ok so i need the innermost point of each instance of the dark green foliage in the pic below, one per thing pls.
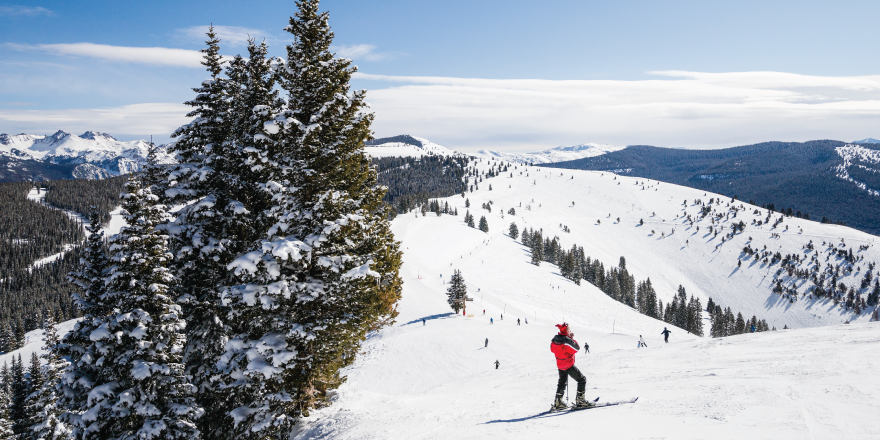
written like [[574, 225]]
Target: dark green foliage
[[484, 225], [513, 231], [82, 196], [797, 175], [457, 292], [412, 181], [32, 231]]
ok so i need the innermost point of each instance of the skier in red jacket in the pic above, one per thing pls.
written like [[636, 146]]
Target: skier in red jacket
[[564, 347]]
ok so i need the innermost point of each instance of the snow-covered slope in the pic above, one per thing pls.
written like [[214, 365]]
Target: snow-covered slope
[[98, 155], [558, 154], [438, 380], [868, 141], [406, 145], [33, 342]]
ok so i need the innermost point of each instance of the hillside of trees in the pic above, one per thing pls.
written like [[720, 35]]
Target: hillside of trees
[[32, 231], [796, 176]]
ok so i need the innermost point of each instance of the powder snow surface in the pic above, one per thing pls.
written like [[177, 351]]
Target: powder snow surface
[[438, 381]]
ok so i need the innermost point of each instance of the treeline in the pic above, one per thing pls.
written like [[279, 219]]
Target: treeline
[[81, 195], [30, 231], [413, 181], [725, 324], [616, 282], [27, 298]]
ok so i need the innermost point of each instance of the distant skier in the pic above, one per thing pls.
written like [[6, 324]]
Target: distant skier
[[487, 343], [484, 312], [423, 322], [497, 364], [564, 347], [491, 321], [527, 320], [665, 334], [517, 322], [642, 342]]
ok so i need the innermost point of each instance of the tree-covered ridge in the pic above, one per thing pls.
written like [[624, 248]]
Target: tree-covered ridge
[[801, 176], [412, 181], [30, 230], [81, 196]]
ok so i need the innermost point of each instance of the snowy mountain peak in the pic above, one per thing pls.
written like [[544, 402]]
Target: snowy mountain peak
[[96, 154], [868, 141], [558, 154], [94, 135]]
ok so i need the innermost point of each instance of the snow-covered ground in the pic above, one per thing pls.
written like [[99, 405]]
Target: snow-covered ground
[[558, 154], [402, 149], [438, 380], [33, 342]]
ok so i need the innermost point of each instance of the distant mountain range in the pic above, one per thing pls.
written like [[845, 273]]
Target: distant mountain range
[[831, 179], [62, 155], [558, 154]]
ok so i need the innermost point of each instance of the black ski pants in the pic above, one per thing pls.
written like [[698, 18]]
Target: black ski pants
[[576, 375]]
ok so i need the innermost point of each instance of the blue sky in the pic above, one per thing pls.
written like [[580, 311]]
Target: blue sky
[[475, 74]]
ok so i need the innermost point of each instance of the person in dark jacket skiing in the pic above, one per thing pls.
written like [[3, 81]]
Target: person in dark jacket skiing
[[497, 364], [665, 334], [564, 347], [487, 342]]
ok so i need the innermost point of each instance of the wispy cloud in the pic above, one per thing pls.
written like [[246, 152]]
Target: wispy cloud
[[365, 52], [139, 55], [679, 109], [23, 11], [229, 35], [126, 121]]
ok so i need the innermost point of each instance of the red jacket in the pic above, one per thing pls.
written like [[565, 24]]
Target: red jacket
[[564, 348]]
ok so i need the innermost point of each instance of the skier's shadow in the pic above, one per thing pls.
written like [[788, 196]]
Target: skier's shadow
[[523, 419]]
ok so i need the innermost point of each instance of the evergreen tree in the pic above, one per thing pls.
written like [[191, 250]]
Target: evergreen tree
[[514, 231], [6, 431], [457, 292], [223, 170], [484, 225], [469, 219], [139, 389], [19, 390], [326, 272], [740, 324], [90, 300], [537, 245], [45, 422]]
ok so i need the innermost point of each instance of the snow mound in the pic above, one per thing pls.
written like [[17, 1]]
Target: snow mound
[[406, 146], [558, 154]]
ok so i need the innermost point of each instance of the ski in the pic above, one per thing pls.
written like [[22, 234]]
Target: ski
[[595, 405]]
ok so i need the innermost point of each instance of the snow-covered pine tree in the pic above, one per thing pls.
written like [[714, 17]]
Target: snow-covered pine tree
[[469, 219], [139, 389], [76, 345], [484, 225], [457, 291], [19, 391], [326, 272], [209, 234], [43, 405], [6, 432], [513, 231], [537, 245]]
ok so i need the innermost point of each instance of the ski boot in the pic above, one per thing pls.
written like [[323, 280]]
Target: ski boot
[[558, 404], [581, 402]]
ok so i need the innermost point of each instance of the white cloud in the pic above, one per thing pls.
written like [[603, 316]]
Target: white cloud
[[366, 52], [18, 11], [139, 55], [135, 120], [228, 35], [681, 109]]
